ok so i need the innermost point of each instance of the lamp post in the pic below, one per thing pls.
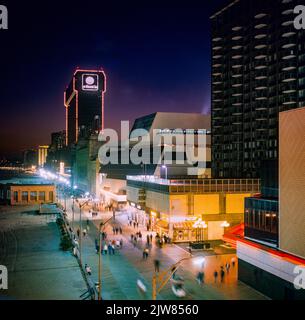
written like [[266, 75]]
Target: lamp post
[[101, 229], [80, 233], [73, 198], [200, 225], [164, 276]]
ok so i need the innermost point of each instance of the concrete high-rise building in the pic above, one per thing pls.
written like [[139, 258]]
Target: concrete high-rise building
[[42, 155], [258, 70], [84, 102], [292, 182]]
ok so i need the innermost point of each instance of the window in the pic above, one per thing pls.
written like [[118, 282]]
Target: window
[[24, 196], [51, 196], [42, 196], [33, 196], [16, 196]]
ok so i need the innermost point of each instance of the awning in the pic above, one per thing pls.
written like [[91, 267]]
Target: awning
[[162, 224], [185, 225]]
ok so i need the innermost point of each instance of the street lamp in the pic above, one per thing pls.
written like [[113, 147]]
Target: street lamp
[[101, 229], [199, 224], [164, 276], [73, 198], [80, 234]]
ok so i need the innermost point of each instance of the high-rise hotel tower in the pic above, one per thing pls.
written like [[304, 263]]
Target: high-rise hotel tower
[[258, 70], [84, 102]]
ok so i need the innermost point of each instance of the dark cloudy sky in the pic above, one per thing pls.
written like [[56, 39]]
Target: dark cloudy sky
[[156, 56]]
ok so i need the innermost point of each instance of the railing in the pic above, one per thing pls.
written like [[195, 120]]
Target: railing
[[201, 185]]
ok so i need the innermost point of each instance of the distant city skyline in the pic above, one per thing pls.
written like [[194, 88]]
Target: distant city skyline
[[157, 58]]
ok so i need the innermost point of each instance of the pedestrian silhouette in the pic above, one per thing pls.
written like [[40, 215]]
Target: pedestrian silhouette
[[157, 265]]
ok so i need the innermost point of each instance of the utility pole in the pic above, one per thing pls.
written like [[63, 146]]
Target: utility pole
[[101, 229], [163, 277]]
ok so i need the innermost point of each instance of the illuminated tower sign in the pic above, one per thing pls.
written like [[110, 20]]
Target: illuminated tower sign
[[84, 102]]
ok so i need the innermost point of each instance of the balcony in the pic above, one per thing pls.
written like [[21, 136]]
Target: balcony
[[288, 45], [236, 111], [260, 26], [217, 56], [289, 76], [260, 35], [287, 23], [217, 65], [260, 64], [260, 56], [237, 47], [260, 15], [290, 100], [289, 88], [237, 56], [216, 39], [289, 65], [217, 48], [288, 54], [237, 28], [288, 31], [260, 46], [261, 95], [287, 12], [237, 75]]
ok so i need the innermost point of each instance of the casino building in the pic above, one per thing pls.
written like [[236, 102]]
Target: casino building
[[84, 103]]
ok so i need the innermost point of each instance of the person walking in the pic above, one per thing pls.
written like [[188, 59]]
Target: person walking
[[109, 248], [84, 232], [200, 277], [88, 269], [222, 274], [157, 265], [121, 231], [121, 243], [233, 262], [97, 247], [215, 276], [228, 267], [105, 248], [151, 237], [78, 232]]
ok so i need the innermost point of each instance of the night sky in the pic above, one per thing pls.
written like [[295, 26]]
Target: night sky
[[156, 57]]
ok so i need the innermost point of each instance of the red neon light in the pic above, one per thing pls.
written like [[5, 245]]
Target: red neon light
[[283, 255], [76, 92], [65, 104]]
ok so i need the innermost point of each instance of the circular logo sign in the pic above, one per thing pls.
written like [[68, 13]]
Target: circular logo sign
[[89, 80]]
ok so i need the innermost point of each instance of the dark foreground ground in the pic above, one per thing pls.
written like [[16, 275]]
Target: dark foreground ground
[[37, 269]]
